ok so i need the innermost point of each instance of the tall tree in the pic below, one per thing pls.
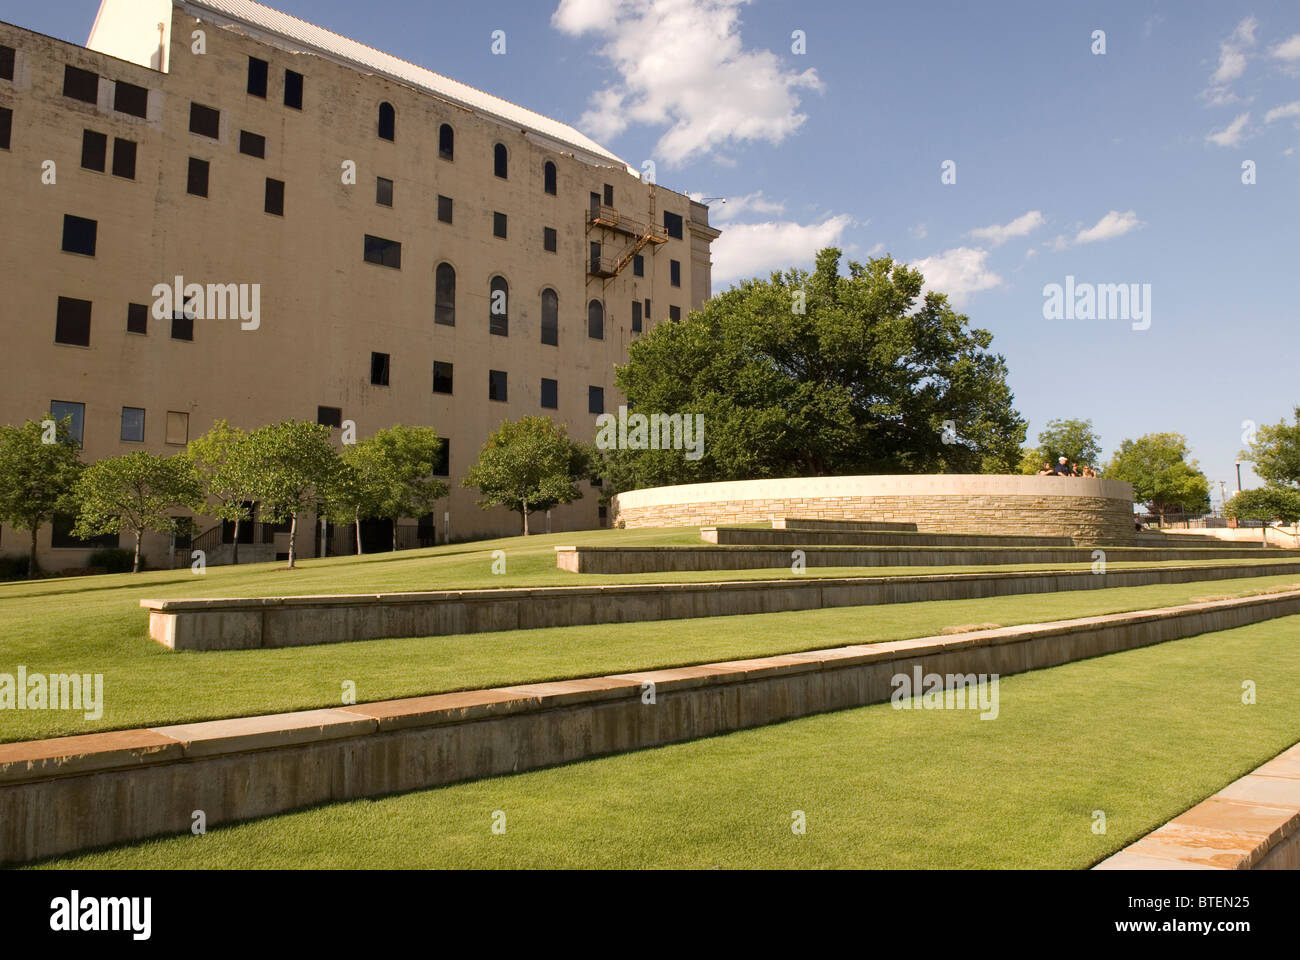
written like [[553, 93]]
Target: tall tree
[[1162, 476], [394, 474], [1265, 504], [39, 467], [529, 465], [221, 457], [1073, 439], [293, 465], [822, 374], [134, 493], [1276, 452]]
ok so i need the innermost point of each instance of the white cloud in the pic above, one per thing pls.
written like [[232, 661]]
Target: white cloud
[[1057, 243], [959, 273], [750, 203], [1232, 134], [681, 64], [1019, 227], [1288, 49], [1277, 113], [756, 249], [1232, 62], [919, 232], [1114, 224]]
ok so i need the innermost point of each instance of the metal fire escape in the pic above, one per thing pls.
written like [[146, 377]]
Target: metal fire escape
[[604, 221]]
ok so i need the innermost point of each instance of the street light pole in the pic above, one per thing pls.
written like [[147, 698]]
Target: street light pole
[[1239, 476]]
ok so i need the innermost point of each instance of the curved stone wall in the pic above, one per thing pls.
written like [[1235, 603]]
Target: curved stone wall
[[967, 503]]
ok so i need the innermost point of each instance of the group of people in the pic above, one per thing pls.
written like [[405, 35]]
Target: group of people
[[1064, 468]]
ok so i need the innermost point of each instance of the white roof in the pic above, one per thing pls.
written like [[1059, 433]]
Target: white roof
[[332, 45]]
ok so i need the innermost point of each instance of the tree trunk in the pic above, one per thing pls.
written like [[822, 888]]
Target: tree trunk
[[293, 539], [524, 511], [394, 534], [357, 518], [234, 559], [31, 559], [135, 567]]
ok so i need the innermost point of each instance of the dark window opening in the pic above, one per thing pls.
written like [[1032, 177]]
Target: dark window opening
[[94, 151], [550, 394], [137, 318], [499, 225], [80, 84], [609, 195], [595, 205], [593, 254], [62, 538], [444, 209], [6, 62], [197, 180], [6, 127], [79, 235], [183, 324], [446, 142], [72, 323], [379, 363], [499, 307], [130, 99], [647, 311], [550, 239], [675, 314], [595, 399], [124, 153], [673, 224], [596, 320], [329, 416], [443, 376], [500, 161], [383, 192], [497, 385], [638, 266], [550, 318], [205, 121], [444, 305], [386, 253], [636, 316], [257, 74], [132, 425], [675, 272], [73, 412], [275, 197], [252, 144], [293, 89], [549, 176], [442, 466], [387, 122]]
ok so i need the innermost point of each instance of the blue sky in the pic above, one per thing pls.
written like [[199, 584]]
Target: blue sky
[[1124, 167]]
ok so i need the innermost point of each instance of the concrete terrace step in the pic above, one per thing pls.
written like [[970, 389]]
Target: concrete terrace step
[[886, 526], [134, 784], [794, 523], [750, 536]]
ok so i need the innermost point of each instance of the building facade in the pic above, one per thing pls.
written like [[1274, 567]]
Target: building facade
[[351, 239]]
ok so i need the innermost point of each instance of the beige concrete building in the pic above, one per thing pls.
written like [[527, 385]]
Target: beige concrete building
[[405, 249]]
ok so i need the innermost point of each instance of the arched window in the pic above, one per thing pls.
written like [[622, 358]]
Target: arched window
[[500, 161], [444, 302], [387, 122], [499, 307], [549, 174], [596, 320], [447, 142], [550, 317]]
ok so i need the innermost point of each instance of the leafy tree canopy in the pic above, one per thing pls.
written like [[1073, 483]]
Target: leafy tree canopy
[[1162, 476], [1276, 452], [39, 467], [529, 465]]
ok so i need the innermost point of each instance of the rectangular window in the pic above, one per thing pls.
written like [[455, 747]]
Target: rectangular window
[[80, 85], [383, 192], [293, 89], [675, 272], [379, 369], [196, 183], [499, 225], [183, 324], [442, 466], [178, 428], [550, 239], [386, 253], [442, 377], [137, 318], [275, 197], [62, 410], [6, 62], [673, 224], [329, 416], [124, 153], [550, 394], [609, 195], [636, 316], [130, 99], [252, 144], [6, 127], [132, 425], [675, 314], [205, 121], [257, 73], [638, 266], [62, 538], [595, 399], [647, 311], [72, 323], [79, 235], [497, 385], [444, 209], [94, 151]]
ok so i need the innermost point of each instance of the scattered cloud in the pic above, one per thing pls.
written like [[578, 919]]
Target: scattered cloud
[[1277, 113], [997, 235], [918, 232], [1057, 243], [755, 249], [1288, 49], [1232, 62], [1114, 224], [723, 211], [960, 273], [1232, 134], [681, 64]]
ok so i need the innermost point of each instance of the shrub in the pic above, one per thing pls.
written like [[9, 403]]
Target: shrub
[[114, 561], [13, 568]]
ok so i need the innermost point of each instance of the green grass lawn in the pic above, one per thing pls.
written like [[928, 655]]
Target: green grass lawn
[[1140, 735], [96, 626]]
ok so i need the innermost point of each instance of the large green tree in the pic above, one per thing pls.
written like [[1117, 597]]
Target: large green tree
[[221, 457], [1276, 452], [392, 475], [822, 374], [1162, 476], [529, 465], [1265, 504], [39, 466], [293, 465], [1073, 439], [134, 493]]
